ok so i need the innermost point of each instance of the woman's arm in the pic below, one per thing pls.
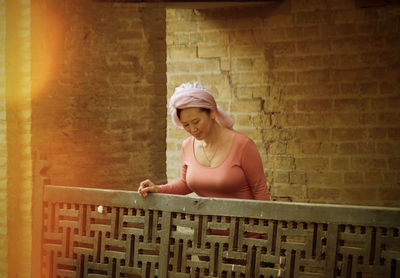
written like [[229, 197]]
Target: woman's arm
[[254, 171], [176, 187]]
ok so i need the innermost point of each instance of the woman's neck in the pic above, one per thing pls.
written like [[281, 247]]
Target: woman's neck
[[214, 135]]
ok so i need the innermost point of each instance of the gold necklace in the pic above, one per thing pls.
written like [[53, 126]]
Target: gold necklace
[[205, 154]]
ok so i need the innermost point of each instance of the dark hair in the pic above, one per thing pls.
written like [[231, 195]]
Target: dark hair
[[178, 111]]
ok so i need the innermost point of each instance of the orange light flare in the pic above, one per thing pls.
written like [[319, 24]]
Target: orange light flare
[[48, 29]]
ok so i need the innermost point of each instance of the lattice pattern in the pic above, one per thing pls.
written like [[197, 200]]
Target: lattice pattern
[[78, 241], [370, 251]]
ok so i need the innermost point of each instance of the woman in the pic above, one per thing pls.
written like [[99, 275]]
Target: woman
[[216, 160]]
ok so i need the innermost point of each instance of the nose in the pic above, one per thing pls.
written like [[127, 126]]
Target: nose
[[193, 129]]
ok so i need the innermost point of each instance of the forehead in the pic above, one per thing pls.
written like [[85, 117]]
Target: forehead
[[189, 114]]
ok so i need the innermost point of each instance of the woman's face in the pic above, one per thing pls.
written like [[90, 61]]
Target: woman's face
[[197, 122]]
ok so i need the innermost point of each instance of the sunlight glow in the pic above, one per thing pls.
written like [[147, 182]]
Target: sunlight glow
[[15, 100], [3, 147]]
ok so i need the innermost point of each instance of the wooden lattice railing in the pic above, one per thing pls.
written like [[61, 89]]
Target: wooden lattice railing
[[177, 236]]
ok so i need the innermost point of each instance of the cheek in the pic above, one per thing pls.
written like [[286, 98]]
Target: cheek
[[205, 125]]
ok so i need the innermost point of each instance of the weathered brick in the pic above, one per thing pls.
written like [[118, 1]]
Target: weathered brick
[[273, 34], [333, 178], [314, 105], [373, 178], [181, 78], [385, 148], [215, 37], [339, 164], [297, 178], [279, 20], [285, 77], [312, 90], [284, 163], [367, 148], [312, 163], [350, 104], [312, 18], [353, 178], [298, 62], [360, 195], [342, 61], [277, 148], [245, 50], [324, 195], [351, 75], [349, 148], [313, 47], [344, 83], [314, 178], [296, 192], [388, 118], [348, 134], [281, 48], [212, 51], [394, 163], [243, 64], [339, 119], [328, 148], [313, 76], [393, 103], [182, 26], [211, 79], [293, 147], [308, 6], [246, 78], [368, 164], [281, 177], [390, 194], [317, 134], [182, 53], [394, 133], [241, 119], [311, 148]]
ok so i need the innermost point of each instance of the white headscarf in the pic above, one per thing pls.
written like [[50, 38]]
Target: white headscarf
[[193, 94]]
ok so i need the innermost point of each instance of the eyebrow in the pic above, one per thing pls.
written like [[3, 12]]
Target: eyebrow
[[190, 121]]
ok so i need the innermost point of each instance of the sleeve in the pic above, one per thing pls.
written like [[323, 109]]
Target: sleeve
[[179, 186], [254, 171]]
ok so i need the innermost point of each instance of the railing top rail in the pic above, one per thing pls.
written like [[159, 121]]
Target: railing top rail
[[299, 212]]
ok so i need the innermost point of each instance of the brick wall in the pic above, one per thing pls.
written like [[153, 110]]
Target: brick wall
[[314, 83], [99, 92], [16, 135], [3, 147]]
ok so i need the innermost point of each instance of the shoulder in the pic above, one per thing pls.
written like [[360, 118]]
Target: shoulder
[[244, 144], [242, 140], [187, 142]]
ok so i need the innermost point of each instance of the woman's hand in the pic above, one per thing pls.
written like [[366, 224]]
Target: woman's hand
[[146, 187]]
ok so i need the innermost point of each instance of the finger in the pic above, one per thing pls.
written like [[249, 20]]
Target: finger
[[142, 192], [147, 190], [144, 184]]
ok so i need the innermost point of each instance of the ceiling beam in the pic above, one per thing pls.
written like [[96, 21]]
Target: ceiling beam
[[197, 4]]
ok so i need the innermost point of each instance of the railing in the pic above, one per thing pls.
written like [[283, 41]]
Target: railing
[[177, 236]]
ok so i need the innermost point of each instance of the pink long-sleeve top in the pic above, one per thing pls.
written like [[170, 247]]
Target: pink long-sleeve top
[[240, 175]]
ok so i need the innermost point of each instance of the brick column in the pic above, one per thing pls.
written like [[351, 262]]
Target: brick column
[[18, 127], [3, 146], [99, 83]]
